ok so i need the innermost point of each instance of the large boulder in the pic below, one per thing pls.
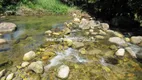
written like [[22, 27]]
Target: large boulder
[[136, 39], [37, 67], [118, 41], [63, 71], [2, 41], [29, 56], [7, 27]]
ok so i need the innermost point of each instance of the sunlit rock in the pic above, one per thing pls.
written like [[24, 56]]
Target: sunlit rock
[[63, 71], [37, 67], [120, 52], [24, 64], [29, 55], [99, 37], [10, 76], [2, 72], [2, 41], [136, 39], [118, 41], [105, 26], [7, 27]]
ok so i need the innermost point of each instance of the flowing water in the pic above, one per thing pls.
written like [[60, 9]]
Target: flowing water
[[29, 35]]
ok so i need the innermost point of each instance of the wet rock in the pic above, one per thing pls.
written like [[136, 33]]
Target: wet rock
[[118, 41], [99, 37], [29, 56], [105, 26], [24, 64], [7, 27], [2, 72], [66, 31], [131, 52], [10, 76], [127, 39], [2, 41], [63, 71], [78, 44], [120, 52], [136, 39], [84, 24], [113, 47], [37, 67]]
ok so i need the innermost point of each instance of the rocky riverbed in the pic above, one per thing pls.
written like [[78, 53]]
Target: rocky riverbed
[[81, 49]]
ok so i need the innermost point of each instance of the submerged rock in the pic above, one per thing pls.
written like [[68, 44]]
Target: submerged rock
[[36, 67], [120, 52], [29, 56], [118, 41], [136, 39], [10, 76], [7, 27], [2, 41], [63, 71], [78, 44]]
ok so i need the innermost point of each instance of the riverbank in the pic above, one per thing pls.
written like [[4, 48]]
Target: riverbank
[[81, 45]]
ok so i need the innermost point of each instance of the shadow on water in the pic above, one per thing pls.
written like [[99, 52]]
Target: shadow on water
[[28, 36]]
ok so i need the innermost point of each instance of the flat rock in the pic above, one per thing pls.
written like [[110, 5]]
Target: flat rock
[[63, 71], [136, 39], [7, 27], [29, 55], [2, 41], [78, 44], [118, 41], [120, 52], [37, 67], [24, 64]]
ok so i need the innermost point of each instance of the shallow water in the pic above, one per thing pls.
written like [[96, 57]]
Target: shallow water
[[29, 35]]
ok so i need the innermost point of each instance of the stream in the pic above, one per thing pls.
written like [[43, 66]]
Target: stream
[[29, 35]]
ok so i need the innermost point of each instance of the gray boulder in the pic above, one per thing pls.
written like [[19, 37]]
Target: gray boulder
[[37, 67], [7, 27]]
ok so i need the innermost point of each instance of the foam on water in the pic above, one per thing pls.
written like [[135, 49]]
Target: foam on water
[[70, 55]]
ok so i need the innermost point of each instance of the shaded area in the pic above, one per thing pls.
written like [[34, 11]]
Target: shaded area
[[124, 15]]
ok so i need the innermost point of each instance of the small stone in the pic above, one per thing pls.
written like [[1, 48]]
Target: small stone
[[99, 37], [2, 41], [36, 67], [66, 31], [91, 30], [136, 39], [29, 55], [10, 76], [105, 26], [127, 39], [56, 33], [82, 51], [120, 52], [2, 72], [118, 41], [24, 64], [132, 53], [63, 71], [48, 32]]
